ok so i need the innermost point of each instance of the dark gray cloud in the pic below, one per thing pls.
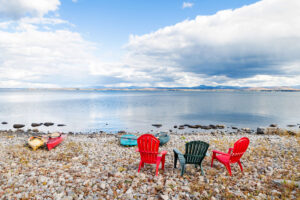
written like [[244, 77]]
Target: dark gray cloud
[[259, 39]]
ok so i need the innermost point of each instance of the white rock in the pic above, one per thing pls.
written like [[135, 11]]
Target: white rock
[[186, 188], [204, 193], [164, 197], [275, 192], [103, 186], [217, 190]]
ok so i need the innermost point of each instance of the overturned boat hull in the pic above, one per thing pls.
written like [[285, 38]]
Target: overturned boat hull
[[163, 138], [128, 140], [36, 141], [53, 142]]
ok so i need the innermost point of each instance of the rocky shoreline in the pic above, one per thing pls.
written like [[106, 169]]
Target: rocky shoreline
[[95, 166], [290, 129]]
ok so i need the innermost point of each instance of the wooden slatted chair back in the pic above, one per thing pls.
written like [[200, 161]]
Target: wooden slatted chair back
[[148, 147], [239, 149], [195, 151]]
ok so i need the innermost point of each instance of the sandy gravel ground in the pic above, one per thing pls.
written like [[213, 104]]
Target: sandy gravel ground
[[97, 167]]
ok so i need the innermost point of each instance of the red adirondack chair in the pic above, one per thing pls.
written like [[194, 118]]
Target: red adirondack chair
[[234, 154], [148, 147]]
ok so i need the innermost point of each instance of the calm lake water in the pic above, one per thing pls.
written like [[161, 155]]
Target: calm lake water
[[111, 111]]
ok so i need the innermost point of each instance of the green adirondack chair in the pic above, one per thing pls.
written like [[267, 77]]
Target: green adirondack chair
[[195, 152]]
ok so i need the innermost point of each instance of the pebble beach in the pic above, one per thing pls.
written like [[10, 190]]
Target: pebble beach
[[96, 167]]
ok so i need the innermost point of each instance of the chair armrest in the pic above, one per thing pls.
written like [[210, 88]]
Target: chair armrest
[[219, 152], [176, 151], [163, 152], [137, 150], [180, 156], [229, 150]]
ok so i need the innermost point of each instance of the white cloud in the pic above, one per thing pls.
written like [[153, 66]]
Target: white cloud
[[256, 45], [4, 25], [19, 8], [33, 57], [266, 81], [34, 53], [259, 40], [187, 5]]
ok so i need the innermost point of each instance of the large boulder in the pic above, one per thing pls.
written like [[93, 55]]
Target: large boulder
[[291, 125], [261, 130], [246, 130], [18, 125], [213, 126], [220, 126], [273, 130], [157, 125], [273, 125], [48, 124], [291, 132], [121, 132], [36, 124], [205, 127], [193, 126]]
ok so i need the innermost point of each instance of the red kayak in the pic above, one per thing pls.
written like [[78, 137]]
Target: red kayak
[[53, 142]]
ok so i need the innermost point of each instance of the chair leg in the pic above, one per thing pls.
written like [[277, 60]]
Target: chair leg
[[202, 172], [140, 165], [239, 162], [212, 161], [182, 169], [228, 168], [175, 160], [143, 165], [157, 166], [163, 163]]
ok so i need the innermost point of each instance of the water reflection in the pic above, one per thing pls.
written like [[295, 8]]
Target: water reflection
[[136, 111]]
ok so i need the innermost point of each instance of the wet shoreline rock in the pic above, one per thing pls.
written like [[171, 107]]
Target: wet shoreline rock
[[36, 124], [121, 132], [157, 125], [220, 126], [35, 130], [48, 124], [247, 130], [193, 126], [205, 127], [18, 125], [260, 131]]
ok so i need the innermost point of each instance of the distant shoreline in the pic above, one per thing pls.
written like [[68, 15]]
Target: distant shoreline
[[162, 89]]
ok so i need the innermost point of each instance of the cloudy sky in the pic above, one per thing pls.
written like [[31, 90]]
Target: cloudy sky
[[120, 43]]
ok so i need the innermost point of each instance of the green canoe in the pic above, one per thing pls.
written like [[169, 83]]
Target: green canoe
[[163, 138]]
